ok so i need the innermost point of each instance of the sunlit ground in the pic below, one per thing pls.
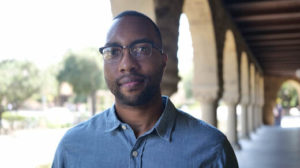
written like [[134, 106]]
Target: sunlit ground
[[290, 121], [29, 148]]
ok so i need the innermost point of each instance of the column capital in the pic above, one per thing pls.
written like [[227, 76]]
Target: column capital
[[231, 98], [206, 94]]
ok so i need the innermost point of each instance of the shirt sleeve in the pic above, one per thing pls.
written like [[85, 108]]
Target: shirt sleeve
[[226, 157], [58, 161]]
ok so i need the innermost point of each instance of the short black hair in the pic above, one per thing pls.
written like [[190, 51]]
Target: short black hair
[[138, 14]]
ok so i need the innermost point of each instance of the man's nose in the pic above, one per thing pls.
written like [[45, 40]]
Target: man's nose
[[128, 63]]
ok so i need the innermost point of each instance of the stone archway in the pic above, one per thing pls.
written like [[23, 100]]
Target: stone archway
[[244, 95], [283, 92], [205, 57], [251, 106], [231, 86]]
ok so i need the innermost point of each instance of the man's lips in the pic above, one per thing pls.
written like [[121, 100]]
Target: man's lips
[[131, 80]]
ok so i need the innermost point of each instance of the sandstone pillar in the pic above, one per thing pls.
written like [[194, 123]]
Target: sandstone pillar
[[251, 107], [244, 122], [244, 95], [231, 86], [250, 117], [205, 84], [261, 101], [208, 108], [167, 14], [257, 102], [232, 125]]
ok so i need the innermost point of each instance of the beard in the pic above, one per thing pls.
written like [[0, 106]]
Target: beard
[[152, 88], [140, 99]]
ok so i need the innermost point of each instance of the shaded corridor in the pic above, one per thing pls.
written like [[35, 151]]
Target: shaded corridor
[[271, 147]]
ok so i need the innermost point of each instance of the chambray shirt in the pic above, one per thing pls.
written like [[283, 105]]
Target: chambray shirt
[[177, 140]]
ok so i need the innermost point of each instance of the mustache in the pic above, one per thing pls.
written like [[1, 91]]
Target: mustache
[[130, 77]]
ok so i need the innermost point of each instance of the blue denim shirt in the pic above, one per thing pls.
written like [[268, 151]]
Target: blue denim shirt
[[177, 140]]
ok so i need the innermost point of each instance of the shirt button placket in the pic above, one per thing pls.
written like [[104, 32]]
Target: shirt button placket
[[134, 153], [124, 127]]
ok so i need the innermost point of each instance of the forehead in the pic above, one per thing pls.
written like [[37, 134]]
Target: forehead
[[127, 29]]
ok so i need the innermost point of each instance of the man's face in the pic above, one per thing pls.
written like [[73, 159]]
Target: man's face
[[134, 81]]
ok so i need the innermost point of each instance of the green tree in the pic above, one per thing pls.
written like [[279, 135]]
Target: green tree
[[288, 95], [19, 81], [82, 71]]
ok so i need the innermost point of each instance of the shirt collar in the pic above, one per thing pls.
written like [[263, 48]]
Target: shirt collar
[[112, 121], [163, 126]]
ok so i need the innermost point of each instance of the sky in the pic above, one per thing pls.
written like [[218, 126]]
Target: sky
[[42, 31]]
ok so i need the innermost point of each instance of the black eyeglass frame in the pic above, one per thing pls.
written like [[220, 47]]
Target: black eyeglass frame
[[131, 45]]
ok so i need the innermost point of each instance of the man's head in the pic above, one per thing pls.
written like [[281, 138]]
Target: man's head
[[133, 59]]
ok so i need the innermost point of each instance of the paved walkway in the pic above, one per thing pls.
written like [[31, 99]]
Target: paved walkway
[[271, 147], [29, 148]]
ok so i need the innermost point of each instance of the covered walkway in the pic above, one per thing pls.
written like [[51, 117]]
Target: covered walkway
[[271, 147]]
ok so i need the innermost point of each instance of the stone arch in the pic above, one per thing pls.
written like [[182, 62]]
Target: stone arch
[[231, 86], [271, 87], [244, 80], [251, 106], [256, 111], [205, 56], [230, 69]]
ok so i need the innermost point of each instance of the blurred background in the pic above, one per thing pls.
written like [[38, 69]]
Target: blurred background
[[51, 77]]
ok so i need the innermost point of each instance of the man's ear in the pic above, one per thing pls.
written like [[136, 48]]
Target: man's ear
[[164, 59]]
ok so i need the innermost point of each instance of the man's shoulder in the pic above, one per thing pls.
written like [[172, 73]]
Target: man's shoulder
[[88, 127], [197, 127]]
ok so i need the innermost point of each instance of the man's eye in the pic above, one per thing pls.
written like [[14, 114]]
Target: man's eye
[[142, 49], [112, 52]]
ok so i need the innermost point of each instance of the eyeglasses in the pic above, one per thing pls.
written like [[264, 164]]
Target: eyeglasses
[[138, 50]]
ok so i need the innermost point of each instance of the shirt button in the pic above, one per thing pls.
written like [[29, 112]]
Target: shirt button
[[124, 127], [134, 153]]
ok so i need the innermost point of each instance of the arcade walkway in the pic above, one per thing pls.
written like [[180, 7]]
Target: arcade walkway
[[271, 147]]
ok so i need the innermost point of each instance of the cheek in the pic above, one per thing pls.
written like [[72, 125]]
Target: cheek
[[152, 66], [109, 74]]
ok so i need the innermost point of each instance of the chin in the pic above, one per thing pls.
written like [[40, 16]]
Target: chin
[[137, 99], [133, 100]]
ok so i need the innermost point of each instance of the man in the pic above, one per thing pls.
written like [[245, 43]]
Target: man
[[142, 128]]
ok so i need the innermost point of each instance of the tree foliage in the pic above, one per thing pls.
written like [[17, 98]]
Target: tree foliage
[[82, 71], [288, 96], [19, 81]]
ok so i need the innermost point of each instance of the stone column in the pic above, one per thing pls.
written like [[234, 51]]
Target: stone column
[[232, 124], [251, 106], [167, 14], [205, 83], [257, 102], [262, 101], [250, 117], [244, 78], [244, 119], [208, 103]]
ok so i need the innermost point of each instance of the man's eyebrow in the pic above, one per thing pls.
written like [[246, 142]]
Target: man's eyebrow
[[112, 44], [143, 40]]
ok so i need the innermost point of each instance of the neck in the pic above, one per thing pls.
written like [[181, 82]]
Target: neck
[[140, 118]]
